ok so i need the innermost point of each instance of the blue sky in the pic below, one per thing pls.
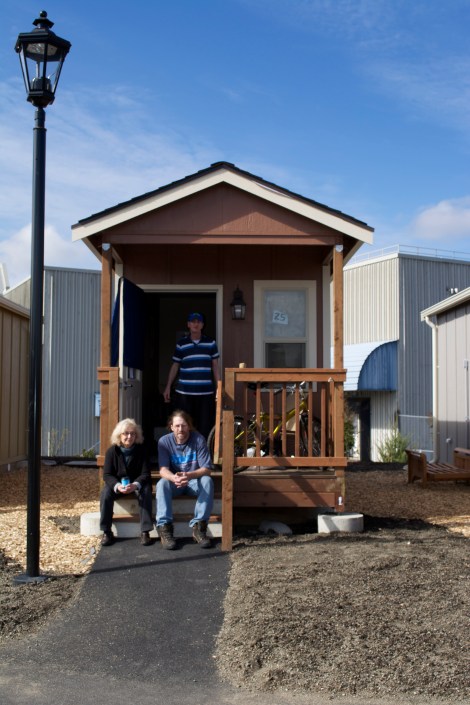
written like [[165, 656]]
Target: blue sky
[[363, 105]]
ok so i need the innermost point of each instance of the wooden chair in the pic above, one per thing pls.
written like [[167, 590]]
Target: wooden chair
[[420, 469]]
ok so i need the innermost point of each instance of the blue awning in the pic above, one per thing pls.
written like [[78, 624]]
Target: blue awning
[[371, 366]]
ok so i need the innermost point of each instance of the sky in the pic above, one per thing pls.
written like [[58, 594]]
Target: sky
[[362, 105]]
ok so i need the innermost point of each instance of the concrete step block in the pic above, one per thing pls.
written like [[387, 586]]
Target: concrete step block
[[181, 505], [127, 526]]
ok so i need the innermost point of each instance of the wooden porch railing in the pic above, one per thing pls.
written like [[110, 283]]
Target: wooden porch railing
[[284, 418], [109, 413]]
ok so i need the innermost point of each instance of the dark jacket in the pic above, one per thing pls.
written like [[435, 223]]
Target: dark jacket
[[115, 466]]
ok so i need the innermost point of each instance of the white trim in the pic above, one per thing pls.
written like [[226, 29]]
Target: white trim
[[189, 188], [262, 285]]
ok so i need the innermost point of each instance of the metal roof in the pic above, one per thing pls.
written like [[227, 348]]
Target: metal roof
[[371, 366]]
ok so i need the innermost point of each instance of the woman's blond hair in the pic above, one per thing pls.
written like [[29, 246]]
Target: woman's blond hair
[[126, 425]]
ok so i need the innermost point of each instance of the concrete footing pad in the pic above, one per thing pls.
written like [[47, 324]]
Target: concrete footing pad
[[348, 522]]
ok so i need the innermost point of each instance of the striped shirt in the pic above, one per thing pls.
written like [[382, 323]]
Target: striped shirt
[[195, 365]]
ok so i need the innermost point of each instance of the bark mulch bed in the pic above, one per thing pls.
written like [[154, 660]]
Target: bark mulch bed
[[381, 614]]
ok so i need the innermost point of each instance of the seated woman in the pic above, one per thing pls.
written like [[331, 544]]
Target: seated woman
[[126, 471]]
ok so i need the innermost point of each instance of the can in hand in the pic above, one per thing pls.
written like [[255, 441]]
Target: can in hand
[[125, 482]]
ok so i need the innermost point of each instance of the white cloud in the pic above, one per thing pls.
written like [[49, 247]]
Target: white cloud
[[447, 223], [91, 164], [15, 253]]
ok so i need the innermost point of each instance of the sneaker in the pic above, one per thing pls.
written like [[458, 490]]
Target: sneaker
[[165, 531], [145, 539], [200, 534], [107, 539]]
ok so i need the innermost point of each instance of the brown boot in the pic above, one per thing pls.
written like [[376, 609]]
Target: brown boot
[[107, 539], [165, 531], [200, 534], [145, 539]]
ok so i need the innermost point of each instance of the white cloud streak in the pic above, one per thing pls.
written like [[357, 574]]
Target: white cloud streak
[[446, 223]]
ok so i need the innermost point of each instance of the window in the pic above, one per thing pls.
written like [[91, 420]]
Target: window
[[284, 324]]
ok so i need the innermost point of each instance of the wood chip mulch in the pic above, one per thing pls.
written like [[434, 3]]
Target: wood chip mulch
[[68, 492]]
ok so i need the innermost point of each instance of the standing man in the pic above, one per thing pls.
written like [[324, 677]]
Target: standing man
[[196, 364], [185, 468]]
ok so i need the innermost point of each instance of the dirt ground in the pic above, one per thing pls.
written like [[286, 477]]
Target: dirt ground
[[375, 614]]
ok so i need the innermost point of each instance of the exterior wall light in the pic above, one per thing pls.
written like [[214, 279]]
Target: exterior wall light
[[238, 306]]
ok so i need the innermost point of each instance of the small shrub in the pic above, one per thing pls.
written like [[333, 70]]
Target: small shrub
[[392, 449], [349, 431], [90, 453], [56, 441]]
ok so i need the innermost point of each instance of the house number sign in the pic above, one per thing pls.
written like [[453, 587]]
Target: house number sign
[[280, 317]]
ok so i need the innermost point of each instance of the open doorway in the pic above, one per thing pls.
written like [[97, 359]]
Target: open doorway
[[166, 315], [359, 408]]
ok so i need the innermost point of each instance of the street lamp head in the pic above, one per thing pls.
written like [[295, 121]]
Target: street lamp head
[[42, 54]]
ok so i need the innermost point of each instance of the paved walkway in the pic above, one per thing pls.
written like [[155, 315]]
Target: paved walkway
[[142, 631]]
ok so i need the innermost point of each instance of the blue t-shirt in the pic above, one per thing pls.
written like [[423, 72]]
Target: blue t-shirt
[[195, 361], [184, 457]]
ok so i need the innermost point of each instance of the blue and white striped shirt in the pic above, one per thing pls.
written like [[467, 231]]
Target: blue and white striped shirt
[[195, 361]]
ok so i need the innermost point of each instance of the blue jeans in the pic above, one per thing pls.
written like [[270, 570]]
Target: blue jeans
[[201, 487]]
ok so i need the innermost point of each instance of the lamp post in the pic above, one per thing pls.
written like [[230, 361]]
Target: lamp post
[[42, 55]]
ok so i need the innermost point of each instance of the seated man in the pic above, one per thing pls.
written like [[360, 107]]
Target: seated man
[[185, 468]]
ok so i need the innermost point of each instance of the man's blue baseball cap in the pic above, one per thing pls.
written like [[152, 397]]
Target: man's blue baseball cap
[[196, 317]]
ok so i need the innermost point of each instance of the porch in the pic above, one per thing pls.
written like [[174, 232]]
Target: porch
[[278, 439]]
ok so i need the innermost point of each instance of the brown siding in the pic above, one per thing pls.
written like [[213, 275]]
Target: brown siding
[[222, 210], [228, 266]]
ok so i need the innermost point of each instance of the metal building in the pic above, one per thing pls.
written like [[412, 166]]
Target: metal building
[[70, 409], [449, 321], [388, 350]]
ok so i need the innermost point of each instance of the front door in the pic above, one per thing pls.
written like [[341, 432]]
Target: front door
[[128, 347]]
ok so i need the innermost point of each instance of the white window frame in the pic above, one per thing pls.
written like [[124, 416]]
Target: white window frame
[[259, 340]]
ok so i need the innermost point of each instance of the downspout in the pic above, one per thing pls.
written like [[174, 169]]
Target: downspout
[[435, 392]]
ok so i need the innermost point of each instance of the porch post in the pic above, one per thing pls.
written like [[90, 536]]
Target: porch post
[[338, 338], [227, 460], [106, 288], [338, 307], [108, 381]]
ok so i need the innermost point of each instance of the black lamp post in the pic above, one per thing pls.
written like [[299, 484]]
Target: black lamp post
[[42, 55]]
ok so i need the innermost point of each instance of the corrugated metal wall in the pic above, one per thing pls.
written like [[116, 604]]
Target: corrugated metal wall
[[423, 282], [371, 301], [71, 356], [383, 300], [14, 352], [453, 389]]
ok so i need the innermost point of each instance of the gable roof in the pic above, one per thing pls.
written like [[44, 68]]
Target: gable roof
[[217, 173]]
